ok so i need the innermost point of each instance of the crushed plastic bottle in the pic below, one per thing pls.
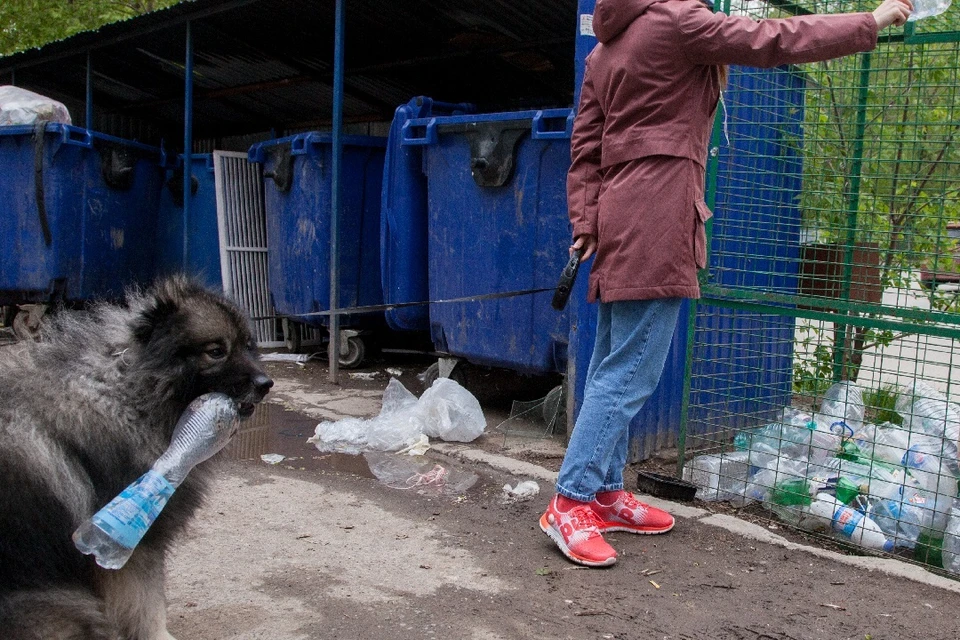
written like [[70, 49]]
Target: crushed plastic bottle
[[719, 476], [848, 523], [951, 539], [927, 8], [113, 532], [841, 411], [795, 436], [900, 519]]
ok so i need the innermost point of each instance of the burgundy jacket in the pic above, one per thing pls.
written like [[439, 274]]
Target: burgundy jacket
[[650, 91]]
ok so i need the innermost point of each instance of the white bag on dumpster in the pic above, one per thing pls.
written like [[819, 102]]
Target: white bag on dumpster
[[445, 410], [19, 106]]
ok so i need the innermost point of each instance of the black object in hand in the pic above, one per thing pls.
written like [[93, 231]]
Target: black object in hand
[[567, 277]]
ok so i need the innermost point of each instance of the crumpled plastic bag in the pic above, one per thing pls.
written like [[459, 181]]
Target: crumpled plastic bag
[[19, 106], [446, 410], [451, 412], [526, 490], [421, 475]]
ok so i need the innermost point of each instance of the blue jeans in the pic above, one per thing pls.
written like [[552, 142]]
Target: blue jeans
[[633, 340]]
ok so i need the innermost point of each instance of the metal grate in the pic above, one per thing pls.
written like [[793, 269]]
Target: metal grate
[[243, 240], [824, 347]]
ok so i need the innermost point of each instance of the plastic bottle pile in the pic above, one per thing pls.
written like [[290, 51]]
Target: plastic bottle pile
[[882, 487]]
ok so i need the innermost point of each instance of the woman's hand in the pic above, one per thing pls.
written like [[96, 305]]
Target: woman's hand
[[587, 242], [892, 12]]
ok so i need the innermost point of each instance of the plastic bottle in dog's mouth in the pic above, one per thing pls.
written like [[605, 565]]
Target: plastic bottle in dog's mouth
[[112, 533]]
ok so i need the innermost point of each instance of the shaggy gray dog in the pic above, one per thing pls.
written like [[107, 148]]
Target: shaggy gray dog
[[84, 412]]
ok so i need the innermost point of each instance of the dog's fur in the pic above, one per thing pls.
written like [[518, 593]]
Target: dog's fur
[[83, 413]]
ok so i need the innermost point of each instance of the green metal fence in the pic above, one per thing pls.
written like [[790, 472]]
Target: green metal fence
[[838, 297]]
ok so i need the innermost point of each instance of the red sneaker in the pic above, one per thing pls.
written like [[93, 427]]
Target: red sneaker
[[621, 511], [577, 533]]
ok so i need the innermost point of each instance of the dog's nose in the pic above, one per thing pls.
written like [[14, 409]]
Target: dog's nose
[[262, 383]]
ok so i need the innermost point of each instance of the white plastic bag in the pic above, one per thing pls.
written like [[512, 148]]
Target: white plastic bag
[[19, 106], [418, 474], [451, 412], [445, 410]]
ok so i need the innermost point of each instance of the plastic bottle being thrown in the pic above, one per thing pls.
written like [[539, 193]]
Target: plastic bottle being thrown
[[113, 532], [927, 8]]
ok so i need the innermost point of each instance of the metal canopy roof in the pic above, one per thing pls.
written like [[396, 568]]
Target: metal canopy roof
[[264, 65]]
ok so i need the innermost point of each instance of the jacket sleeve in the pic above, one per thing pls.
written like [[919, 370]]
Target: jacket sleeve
[[583, 178], [715, 38]]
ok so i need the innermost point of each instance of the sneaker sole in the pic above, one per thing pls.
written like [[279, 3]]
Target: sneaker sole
[[627, 529], [557, 537]]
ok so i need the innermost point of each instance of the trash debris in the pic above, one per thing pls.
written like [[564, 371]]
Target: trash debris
[[537, 418], [880, 486], [273, 458], [296, 358], [418, 474], [418, 448], [446, 410], [364, 375], [951, 539], [523, 491], [20, 106], [396, 373]]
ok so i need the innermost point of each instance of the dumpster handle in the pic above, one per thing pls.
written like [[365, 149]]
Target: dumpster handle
[[78, 137], [540, 130], [298, 144], [39, 193], [411, 128]]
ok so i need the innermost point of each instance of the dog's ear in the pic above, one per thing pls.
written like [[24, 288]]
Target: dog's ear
[[161, 305]]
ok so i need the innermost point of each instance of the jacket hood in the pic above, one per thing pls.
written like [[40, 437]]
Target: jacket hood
[[611, 17]]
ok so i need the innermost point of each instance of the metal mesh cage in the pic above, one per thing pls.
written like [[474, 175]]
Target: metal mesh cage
[[821, 389]]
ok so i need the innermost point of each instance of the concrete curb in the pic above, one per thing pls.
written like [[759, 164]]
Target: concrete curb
[[887, 566]]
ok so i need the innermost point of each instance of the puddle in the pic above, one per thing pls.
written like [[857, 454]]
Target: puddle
[[274, 430]]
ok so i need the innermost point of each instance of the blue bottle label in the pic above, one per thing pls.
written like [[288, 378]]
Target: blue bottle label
[[913, 458], [128, 516], [845, 521]]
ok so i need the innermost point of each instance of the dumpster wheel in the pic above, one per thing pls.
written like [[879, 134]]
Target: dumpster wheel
[[352, 352]]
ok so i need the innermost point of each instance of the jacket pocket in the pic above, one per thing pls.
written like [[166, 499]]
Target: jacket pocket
[[700, 234]]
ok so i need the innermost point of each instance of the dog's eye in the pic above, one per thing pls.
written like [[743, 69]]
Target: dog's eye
[[216, 352]]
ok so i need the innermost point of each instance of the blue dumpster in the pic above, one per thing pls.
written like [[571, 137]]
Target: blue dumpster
[[497, 223], [403, 218], [297, 200], [203, 239], [80, 213]]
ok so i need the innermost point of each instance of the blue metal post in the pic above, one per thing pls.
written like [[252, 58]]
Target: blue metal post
[[187, 141], [89, 113], [334, 354], [583, 316]]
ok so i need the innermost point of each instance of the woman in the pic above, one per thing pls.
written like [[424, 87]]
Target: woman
[[635, 196]]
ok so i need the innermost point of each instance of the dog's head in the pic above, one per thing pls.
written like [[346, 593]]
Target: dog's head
[[193, 341]]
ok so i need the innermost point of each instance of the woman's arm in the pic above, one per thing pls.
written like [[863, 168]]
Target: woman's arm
[[714, 38]]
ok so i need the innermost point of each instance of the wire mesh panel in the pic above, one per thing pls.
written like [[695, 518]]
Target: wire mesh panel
[[822, 391]]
